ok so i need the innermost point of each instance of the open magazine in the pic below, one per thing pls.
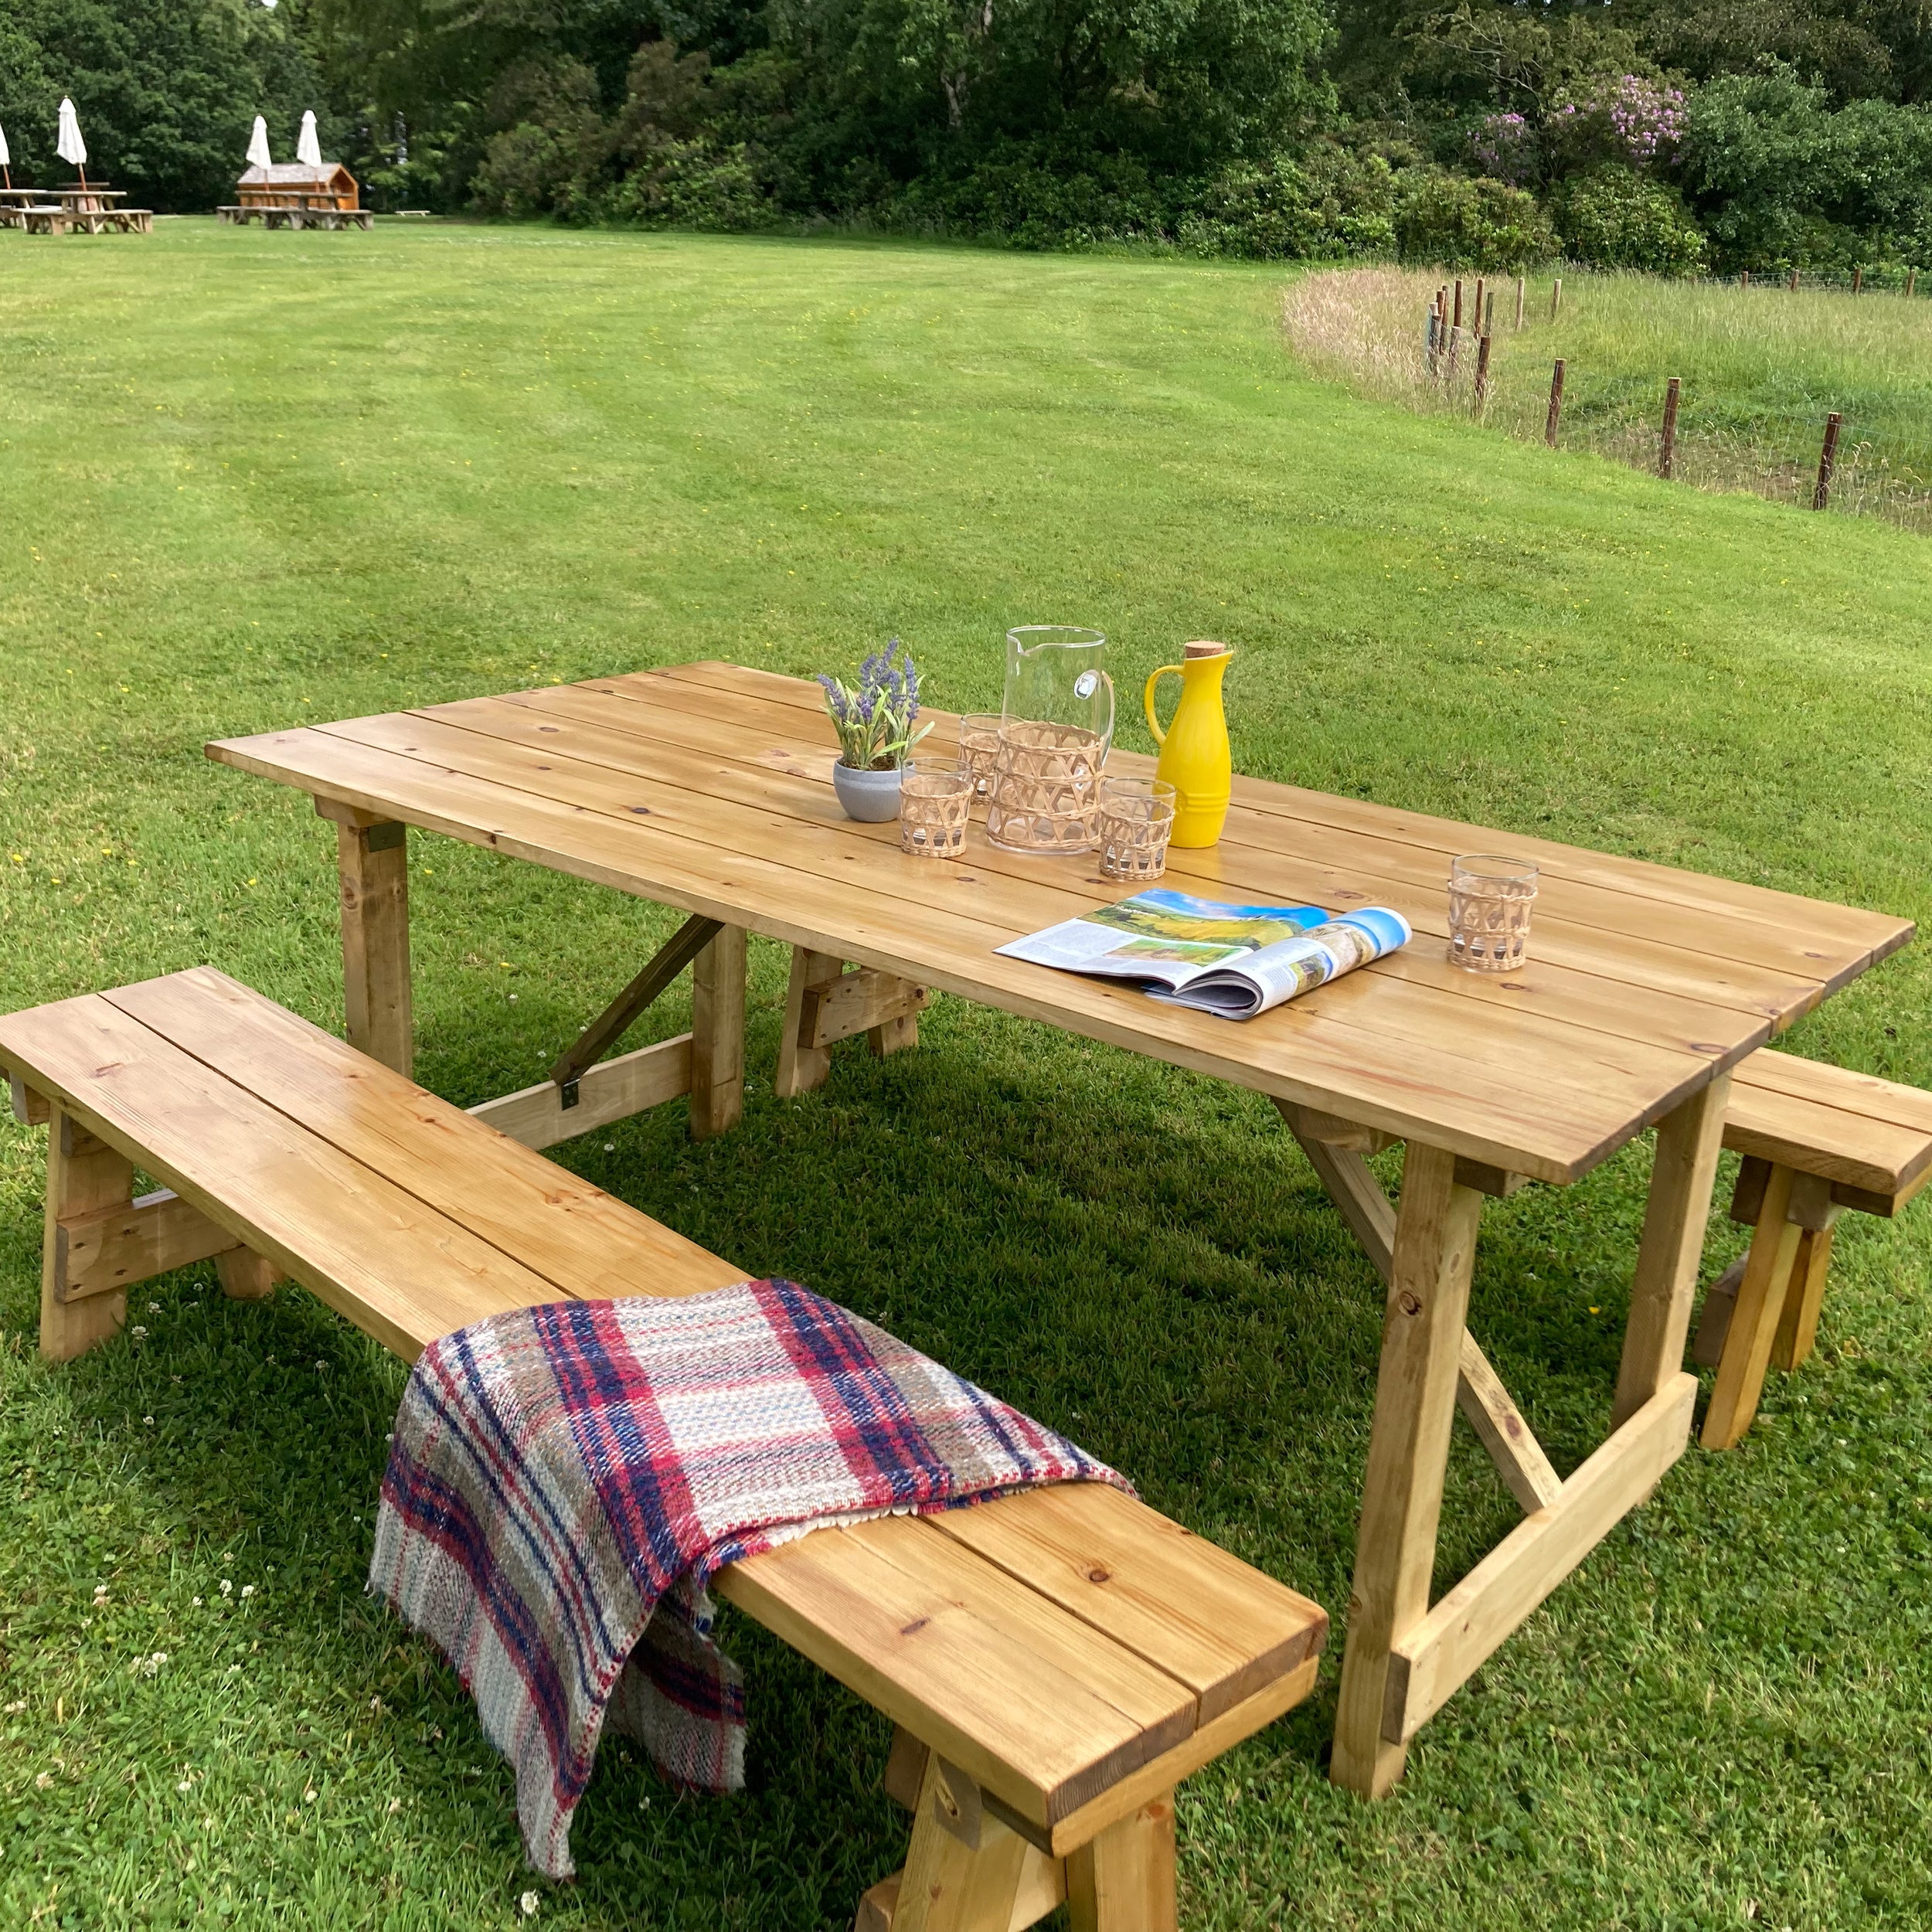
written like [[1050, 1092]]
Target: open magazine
[[1235, 960]]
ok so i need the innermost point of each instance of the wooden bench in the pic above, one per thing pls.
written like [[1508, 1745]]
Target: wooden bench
[[1055, 1661], [87, 221], [1816, 1140]]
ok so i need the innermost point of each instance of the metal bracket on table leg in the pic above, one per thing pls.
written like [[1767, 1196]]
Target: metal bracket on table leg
[[610, 1025]]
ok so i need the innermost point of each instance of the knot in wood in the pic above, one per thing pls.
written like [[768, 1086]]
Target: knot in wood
[[1408, 1302], [1098, 1575]]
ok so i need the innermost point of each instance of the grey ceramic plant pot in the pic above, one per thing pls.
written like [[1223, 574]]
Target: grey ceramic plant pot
[[870, 796]]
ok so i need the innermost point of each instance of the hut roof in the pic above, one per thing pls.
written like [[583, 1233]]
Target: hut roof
[[293, 174]]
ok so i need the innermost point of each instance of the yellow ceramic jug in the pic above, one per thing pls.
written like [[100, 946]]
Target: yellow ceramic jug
[[1195, 758]]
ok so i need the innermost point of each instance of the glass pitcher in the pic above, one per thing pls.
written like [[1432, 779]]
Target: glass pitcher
[[1056, 675]]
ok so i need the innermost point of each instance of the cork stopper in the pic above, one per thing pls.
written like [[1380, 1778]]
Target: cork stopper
[[1201, 647]]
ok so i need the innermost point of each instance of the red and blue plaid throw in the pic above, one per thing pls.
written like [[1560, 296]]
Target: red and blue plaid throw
[[566, 1480]]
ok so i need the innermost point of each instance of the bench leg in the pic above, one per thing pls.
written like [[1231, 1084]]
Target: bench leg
[[372, 860], [1754, 1319], [85, 1177], [1123, 1879], [1797, 1329], [245, 1275], [718, 1035], [963, 1867], [1428, 1301], [802, 1066]]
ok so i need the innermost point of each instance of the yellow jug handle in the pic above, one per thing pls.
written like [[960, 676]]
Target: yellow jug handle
[[1147, 700]]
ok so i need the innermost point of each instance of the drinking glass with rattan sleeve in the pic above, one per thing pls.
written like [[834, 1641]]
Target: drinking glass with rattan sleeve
[[935, 798], [979, 752], [1490, 898], [1136, 819]]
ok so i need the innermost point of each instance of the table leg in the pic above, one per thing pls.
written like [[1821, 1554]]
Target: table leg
[[85, 1177], [1682, 1176], [718, 1035], [802, 1065], [1422, 1333], [372, 861]]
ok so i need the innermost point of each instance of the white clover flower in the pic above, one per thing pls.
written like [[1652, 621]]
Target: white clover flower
[[153, 1308], [527, 1905], [149, 1420], [248, 1589], [226, 1587], [195, 1601], [186, 1785], [137, 1331]]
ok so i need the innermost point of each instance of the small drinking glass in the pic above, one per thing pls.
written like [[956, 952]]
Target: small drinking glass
[[979, 752], [1137, 817], [935, 798], [1490, 897]]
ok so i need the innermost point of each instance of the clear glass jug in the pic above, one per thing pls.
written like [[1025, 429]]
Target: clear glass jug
[[1056, 675]]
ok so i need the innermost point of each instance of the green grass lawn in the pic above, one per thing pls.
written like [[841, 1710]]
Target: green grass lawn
[[249, 478]]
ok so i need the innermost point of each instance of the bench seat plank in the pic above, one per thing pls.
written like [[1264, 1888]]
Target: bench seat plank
[[587, 1243], [1216, 1624], [397, 1268], [1857, 1131]]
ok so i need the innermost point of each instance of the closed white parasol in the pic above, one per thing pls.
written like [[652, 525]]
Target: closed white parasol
[[308, 150], [258, 145], [69, 146], [6, 159]]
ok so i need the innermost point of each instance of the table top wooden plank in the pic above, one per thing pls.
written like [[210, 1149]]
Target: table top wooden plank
[[1752, 963], [399, 1270], [1292, 1052], [707, 786], [1637, 1079], [1639, 989], [585, 1243], [1874, 934]]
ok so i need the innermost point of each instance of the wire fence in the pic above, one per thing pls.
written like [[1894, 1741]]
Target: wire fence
[[1393, 333]]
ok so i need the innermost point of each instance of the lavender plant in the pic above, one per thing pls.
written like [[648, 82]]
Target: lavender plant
[[874, 720]]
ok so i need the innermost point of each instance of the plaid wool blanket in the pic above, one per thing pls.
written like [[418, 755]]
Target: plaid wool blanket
[[565, 1480]]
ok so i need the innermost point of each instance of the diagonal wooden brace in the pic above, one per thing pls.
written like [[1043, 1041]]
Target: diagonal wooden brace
[[617, 1020], [1338, 1159], [824, 1004]]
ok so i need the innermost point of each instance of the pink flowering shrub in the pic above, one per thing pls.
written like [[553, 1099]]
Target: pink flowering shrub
[[1630, 118], [1505, 147]]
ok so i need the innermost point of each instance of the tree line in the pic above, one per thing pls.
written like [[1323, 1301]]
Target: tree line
[[1674, 135]]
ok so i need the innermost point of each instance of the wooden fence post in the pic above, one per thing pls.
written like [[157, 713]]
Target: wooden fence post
[[1520, 282], [1486, 321], [1744, 278], [1667, 453], [1555, 402], [1455, 348], [1476, 316], [1858, 281], [1455, 320], [1555, 298], [1911, 277], [1794, 281], [1827, 462], [1429, 342], [1482, 373]]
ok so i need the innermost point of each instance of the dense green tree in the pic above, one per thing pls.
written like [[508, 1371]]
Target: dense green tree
[[166, 90]]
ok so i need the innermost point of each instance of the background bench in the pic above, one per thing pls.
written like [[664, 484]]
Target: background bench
[[1816, 1140], [1055, 1661]]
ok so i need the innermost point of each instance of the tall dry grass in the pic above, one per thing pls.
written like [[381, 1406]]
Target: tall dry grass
[[1760, 369]]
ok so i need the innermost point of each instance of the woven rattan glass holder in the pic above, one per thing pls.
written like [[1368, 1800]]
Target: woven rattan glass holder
[[1490, 898], [1136, 819], [935, 799]]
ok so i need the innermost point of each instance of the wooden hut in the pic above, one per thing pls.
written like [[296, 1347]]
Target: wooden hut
[[293, 194], [329, 185]]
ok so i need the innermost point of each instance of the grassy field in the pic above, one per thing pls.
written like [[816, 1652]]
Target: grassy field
[[1760, 367], [248, 478]]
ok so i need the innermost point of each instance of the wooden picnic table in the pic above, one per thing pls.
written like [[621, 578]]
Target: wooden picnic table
[[706, 787]]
